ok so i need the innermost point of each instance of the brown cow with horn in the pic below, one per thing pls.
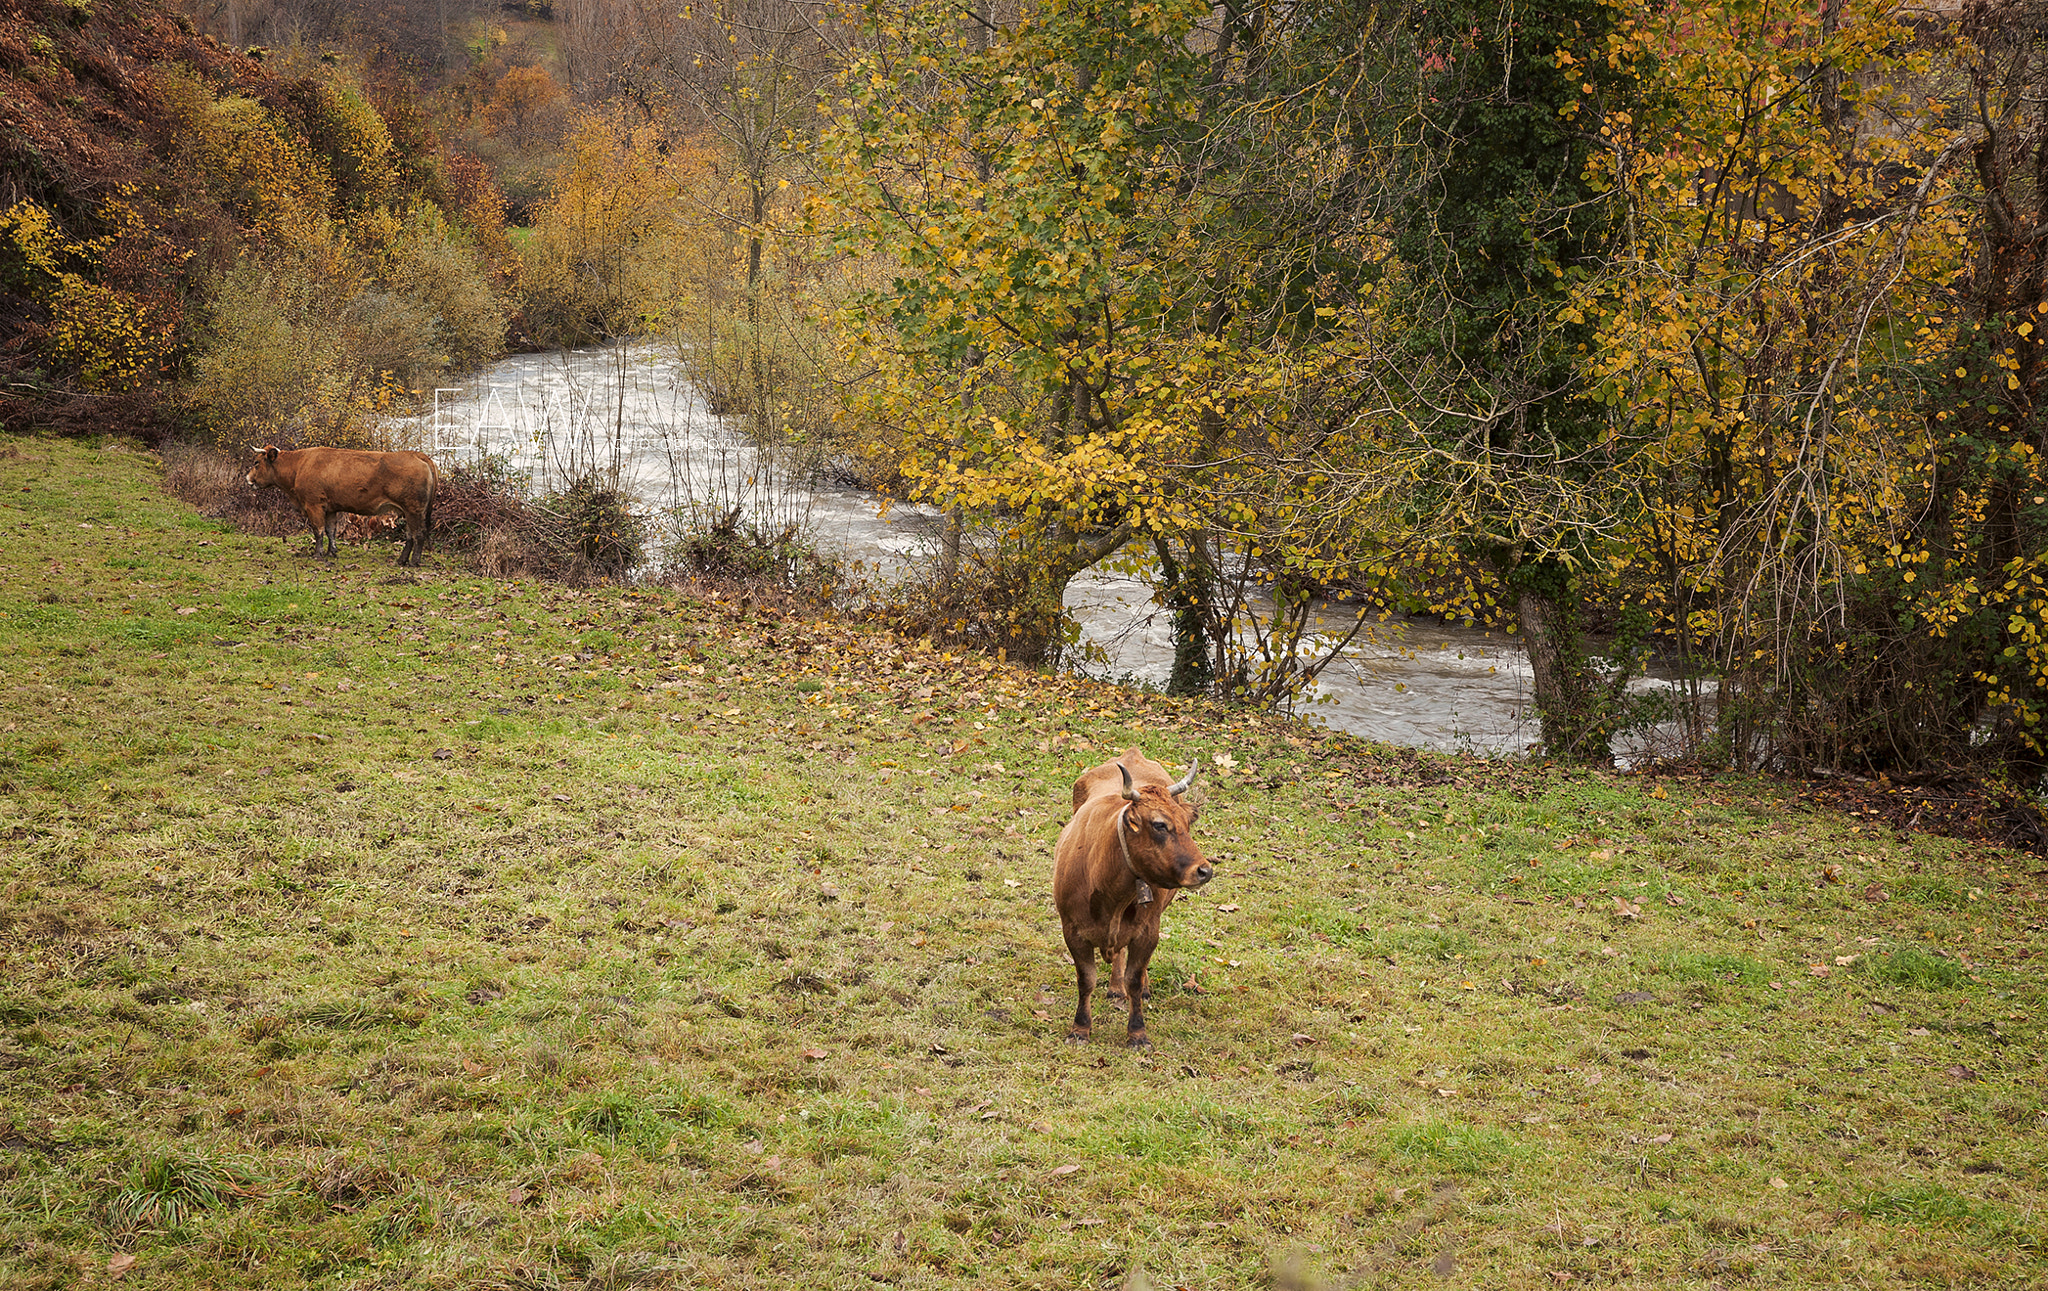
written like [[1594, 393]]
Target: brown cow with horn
[[328, 483], [1118, 862]]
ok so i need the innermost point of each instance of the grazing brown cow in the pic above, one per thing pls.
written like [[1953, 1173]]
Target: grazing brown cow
[[1116, 867], [329, 483]]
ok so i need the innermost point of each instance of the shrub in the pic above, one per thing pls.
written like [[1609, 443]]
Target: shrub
[[429, 265], [599, 527], [270, 364], [998, 600], [736, 550], [389, 333]]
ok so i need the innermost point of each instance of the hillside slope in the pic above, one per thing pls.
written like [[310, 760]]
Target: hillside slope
[[369, 929]]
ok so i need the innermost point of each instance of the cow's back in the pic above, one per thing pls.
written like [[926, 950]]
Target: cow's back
[[354, 477]]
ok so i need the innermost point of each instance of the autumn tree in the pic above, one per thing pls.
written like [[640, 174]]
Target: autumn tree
[[602, 259], [1981, 543], [527, 108], [1788, 227]]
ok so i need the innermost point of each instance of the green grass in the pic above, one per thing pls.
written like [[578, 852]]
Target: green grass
[[364, 928]]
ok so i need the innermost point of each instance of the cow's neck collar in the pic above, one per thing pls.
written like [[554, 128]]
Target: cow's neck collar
[[1123, 823]]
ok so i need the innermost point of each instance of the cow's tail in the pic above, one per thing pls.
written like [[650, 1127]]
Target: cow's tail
[[433, 492]]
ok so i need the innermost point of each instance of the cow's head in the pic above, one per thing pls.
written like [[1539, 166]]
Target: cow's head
[[265, 470], [1157, 830]]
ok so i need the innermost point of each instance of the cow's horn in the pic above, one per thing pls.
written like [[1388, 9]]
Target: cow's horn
[[1182, 785], [1130, 794]]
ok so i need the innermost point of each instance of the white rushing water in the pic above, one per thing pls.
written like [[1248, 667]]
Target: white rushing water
[[631, 408]]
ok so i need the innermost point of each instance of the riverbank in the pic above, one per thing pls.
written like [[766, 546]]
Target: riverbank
[[365, 927]]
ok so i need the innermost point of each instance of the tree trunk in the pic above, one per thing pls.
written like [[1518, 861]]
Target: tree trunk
[[1572, 725], [1187, 586]]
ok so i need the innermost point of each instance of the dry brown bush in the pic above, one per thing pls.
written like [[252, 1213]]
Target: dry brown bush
[[214, 482]]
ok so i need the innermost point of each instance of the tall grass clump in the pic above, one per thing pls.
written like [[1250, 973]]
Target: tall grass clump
[[171, 1188]]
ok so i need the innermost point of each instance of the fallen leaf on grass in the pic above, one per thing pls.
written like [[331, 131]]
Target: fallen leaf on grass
[[517, 1196], [1918, 1031], [1776, 1182], [816, 1054], [1228, 909], [1820, 970], [120, 1264], [1059, 1170], [1960, 1072], [1626, 909]]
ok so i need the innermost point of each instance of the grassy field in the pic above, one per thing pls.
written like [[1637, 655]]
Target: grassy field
[[367, 929]]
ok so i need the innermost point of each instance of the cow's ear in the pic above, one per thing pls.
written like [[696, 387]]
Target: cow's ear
[[270, 454]]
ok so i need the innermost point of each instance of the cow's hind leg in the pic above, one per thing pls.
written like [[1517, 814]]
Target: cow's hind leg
[[415, 536], [1119, 989], [1084, 986]]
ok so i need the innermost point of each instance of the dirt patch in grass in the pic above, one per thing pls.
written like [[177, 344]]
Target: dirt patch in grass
[[442, 931]]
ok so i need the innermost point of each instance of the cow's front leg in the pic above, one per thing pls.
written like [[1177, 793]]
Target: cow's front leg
[[314, 521], [333, 523], [1137, 969], [1084, 986]]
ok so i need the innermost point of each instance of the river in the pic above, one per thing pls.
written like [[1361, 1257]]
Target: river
[[631, 408]]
